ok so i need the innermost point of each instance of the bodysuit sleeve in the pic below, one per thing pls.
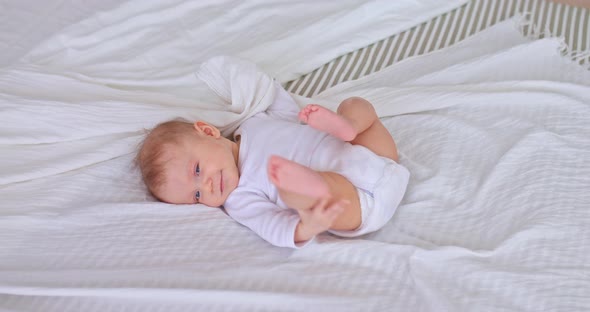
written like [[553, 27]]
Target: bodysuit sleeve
[[274, 224]]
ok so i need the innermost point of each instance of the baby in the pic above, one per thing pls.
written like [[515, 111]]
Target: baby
[[285, 180]]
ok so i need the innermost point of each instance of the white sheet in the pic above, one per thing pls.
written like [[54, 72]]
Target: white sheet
[[497, 194]]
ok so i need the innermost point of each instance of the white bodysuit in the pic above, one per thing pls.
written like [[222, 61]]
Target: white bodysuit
[[255, 203]]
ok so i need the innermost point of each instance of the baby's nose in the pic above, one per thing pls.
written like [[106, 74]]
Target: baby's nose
[[206, 185], [210, 184]]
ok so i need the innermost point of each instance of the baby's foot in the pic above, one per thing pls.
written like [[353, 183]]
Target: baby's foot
[[293, 177], [325, 120]]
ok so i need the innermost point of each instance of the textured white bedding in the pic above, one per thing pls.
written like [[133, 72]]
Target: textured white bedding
[[134, 66], [25, 23], [494, 130]]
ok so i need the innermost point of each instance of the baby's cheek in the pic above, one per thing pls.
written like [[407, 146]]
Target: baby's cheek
[[214, 202]]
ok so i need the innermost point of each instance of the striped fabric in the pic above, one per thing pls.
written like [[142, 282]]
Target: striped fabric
[[548, 17]]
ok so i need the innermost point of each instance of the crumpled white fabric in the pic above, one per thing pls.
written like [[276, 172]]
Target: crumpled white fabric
[[495, 133], [240, 84], [86, 94]]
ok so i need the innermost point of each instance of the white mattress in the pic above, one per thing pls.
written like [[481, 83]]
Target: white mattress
[[494, 131]]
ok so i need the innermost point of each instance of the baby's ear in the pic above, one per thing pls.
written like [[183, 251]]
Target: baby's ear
[[207, 129]]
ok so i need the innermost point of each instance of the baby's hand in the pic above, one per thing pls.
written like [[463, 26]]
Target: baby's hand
[[318, 218]]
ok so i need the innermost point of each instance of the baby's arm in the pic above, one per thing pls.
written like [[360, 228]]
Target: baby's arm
[[318, 219], [254, 210]]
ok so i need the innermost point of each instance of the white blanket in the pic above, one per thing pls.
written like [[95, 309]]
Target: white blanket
[[88, 92], [495, 217]]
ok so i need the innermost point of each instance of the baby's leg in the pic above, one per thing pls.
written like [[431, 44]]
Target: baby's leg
[[300, 187], [357, 120], [325, 120], [372, 134]]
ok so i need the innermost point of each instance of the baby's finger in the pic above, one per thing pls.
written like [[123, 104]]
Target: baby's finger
[[318, 208], [343, 202], [335, 209], [321, 204]]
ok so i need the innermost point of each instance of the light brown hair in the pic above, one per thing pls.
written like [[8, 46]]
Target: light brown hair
[[152, 157]]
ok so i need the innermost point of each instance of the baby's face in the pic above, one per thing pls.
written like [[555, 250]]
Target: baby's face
[[202, 170]]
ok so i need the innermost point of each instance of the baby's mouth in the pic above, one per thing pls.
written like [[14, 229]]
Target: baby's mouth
[[221, 182]]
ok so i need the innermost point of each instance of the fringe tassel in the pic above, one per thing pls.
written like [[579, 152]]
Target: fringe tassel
[[533, 31]]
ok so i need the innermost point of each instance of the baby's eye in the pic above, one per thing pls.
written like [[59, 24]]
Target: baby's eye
[[198, 196], [198, 170]]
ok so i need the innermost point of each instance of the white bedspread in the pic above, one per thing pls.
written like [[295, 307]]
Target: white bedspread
[[494, 130], [87, 92]]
